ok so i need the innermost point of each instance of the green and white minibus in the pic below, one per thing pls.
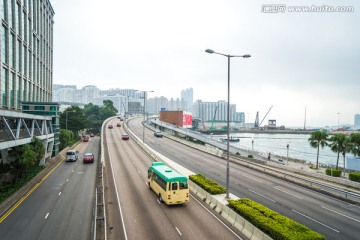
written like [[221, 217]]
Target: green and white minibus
[[170, 186]]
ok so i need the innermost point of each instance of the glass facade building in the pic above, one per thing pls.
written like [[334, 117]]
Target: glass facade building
[[26, 52]]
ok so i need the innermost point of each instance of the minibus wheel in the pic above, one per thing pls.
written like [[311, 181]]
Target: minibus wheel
[[160, 198]]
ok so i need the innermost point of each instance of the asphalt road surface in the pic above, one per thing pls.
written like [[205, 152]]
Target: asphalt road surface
[[333, 218], [142, 216], [61, 207]]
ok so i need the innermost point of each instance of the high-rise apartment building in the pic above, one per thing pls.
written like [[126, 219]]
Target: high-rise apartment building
[[216, 111], [26, 52], [188, 96], [357, 120]]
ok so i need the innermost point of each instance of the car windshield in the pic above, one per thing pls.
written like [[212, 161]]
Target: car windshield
[[88, 155]]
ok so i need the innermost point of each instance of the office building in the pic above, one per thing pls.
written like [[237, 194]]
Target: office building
[[26, 52], [26, 75]]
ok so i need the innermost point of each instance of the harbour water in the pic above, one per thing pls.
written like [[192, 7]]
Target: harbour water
[[276, 144]]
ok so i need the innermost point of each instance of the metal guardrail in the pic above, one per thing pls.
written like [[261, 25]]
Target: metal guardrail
[[315, 183]]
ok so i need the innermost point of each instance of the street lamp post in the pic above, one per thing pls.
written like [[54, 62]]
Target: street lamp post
[[228, 115], [287, 153], [143, 138], [338, 121]]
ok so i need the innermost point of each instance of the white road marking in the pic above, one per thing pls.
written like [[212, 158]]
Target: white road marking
[[138, 171], [341, 214], [262, 195], [117, 196], [216, 218], [59, 193], [315, 221], [287, 193], [46, 215], [178, 231], [67, 180], [252, 178]]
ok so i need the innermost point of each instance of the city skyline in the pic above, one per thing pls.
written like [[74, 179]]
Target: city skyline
[[299, 59], [96, 95]]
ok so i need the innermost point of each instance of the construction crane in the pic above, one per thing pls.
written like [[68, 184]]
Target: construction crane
[[257, 124]]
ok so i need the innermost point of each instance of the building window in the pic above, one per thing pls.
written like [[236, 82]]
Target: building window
[[18, 95], [11, 89], [4, 10], [39, 107], [4, 86], [4, 45]]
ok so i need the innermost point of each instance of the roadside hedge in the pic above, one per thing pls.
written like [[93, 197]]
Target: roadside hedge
[[354, 176], [207, 184], [272, 223], [333, 172]]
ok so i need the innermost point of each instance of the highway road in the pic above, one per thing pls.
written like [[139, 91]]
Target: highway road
[[137, 213], [333, 218], [61, 207]]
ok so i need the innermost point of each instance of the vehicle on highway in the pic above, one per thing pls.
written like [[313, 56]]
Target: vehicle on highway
[[91, 135], [169, 185], [118, 124], [88, 158], [125, 136], [72, 155], [158, 134], [110, 126], [85, 138]]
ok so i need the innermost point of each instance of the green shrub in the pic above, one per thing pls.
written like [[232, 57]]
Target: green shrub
[[238, 153], [354, 176], [207, 184], [8, 189], [250, 156], [271, 222], [333, 172]]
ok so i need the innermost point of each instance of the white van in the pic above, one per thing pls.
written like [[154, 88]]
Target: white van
[[72, 155]]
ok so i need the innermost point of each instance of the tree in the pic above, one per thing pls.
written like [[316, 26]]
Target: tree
[[73, 119], [93, 118], [355, 143], [39, 149], [65, 137], [108, 109], [26, 157], [317, 139], [337, 144]]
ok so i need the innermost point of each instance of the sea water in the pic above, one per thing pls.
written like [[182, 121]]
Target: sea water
[[276, 144]]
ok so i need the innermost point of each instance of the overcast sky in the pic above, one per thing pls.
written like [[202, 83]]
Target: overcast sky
[[298, 59]]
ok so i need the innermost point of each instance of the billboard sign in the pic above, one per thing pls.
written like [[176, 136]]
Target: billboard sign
[[187, 120]]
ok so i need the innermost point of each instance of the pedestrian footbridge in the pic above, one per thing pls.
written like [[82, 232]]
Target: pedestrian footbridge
[[17, 128]]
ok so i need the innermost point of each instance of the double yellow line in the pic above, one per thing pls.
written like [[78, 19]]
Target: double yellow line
[[27, 194]]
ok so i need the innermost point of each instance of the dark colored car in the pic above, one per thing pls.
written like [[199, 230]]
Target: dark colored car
[[118, 124], [158, 134], [88, 158], [110, 126], [125, 136], [85, 138]]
